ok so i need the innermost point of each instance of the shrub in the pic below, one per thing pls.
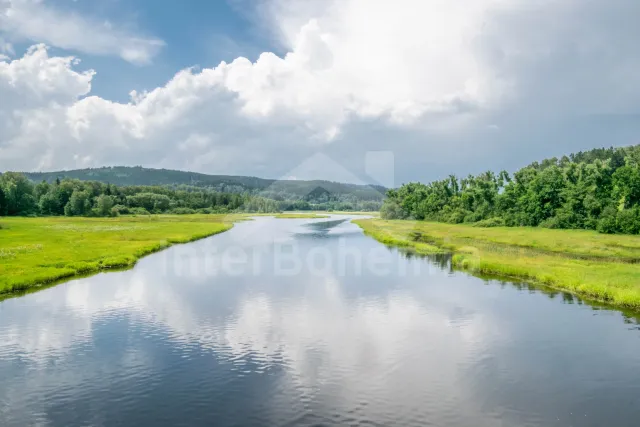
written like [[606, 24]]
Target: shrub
[[139, 211], [391, 210], [607, 222], [120, 210], [552, 222], [628, 221], [564, 218], [183, 211], [490, 222], [456, 217]]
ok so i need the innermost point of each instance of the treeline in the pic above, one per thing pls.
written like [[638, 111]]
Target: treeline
[[597, 190], [72, 197], [334, 205], [315, 192]]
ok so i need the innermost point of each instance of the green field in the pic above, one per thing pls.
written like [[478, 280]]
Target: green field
[[38, 251], [597, 266]]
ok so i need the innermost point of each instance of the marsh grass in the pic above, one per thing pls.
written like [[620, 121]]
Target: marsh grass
[[39, 251], [596, 266]]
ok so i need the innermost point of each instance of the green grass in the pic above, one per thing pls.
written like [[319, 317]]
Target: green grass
[[40, 251], [596, 266]]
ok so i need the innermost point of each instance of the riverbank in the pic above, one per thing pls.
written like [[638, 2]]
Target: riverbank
[[597, 266], [39, 251]]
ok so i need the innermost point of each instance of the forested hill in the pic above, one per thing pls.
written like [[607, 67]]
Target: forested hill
[[121, 191], [276, 189], [597, 189], [124, 175]]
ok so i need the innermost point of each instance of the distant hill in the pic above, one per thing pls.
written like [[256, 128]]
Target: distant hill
[[276, 189]]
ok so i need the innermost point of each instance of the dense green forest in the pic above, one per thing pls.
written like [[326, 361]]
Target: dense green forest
[[313, 192], [73, 197], [597, 189]]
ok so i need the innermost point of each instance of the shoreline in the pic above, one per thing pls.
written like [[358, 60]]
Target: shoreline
[[71, 263], [597, 276]]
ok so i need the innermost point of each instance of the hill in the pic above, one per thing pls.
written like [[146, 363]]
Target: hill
[[275, 189]]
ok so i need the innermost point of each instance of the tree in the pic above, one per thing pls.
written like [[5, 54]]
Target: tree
[[3, 203], [49, 204], [626, 184], [104, 203], [161, 203], [597, 189], [628, 220], [18, 193], [391, 210], [79, 204], [41, 189]]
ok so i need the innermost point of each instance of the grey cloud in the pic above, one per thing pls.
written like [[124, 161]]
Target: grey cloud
[[560, 76]]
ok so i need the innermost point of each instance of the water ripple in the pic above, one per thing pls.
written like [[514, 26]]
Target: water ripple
[[422, 348]]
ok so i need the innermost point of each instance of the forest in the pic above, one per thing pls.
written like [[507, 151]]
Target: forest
[[293, 190], [20, 196], [597, 190]]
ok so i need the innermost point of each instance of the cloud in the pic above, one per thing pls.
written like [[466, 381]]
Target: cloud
[[430, 81], [6, 48], [36, 21], [565, 57]]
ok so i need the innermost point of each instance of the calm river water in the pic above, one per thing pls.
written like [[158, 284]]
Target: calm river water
[[307, 323]]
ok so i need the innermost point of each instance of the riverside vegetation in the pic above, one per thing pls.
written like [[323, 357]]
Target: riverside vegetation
[[81, 227], [567, 223], [20, 196], [38, 251], [596, 266], [284, 195], [594, 196], [595, 190]]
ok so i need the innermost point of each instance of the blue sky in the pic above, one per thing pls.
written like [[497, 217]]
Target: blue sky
[[432, 86], [196, 34]]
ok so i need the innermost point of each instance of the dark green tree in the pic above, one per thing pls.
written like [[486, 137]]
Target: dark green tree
[[18, 193]]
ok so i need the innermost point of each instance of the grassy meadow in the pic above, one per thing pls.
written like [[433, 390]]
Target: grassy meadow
[[596, 266], [38, 251]]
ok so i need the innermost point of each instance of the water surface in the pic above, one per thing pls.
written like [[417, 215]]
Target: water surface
[[309, 322]]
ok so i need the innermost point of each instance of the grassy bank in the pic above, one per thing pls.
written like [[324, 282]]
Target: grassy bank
[[38, 251], [596, 266]]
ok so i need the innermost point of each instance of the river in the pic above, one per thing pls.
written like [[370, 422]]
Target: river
[[308, 322]]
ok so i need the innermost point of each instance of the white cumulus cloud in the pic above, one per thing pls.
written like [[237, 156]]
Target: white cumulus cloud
[[426, 79]]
